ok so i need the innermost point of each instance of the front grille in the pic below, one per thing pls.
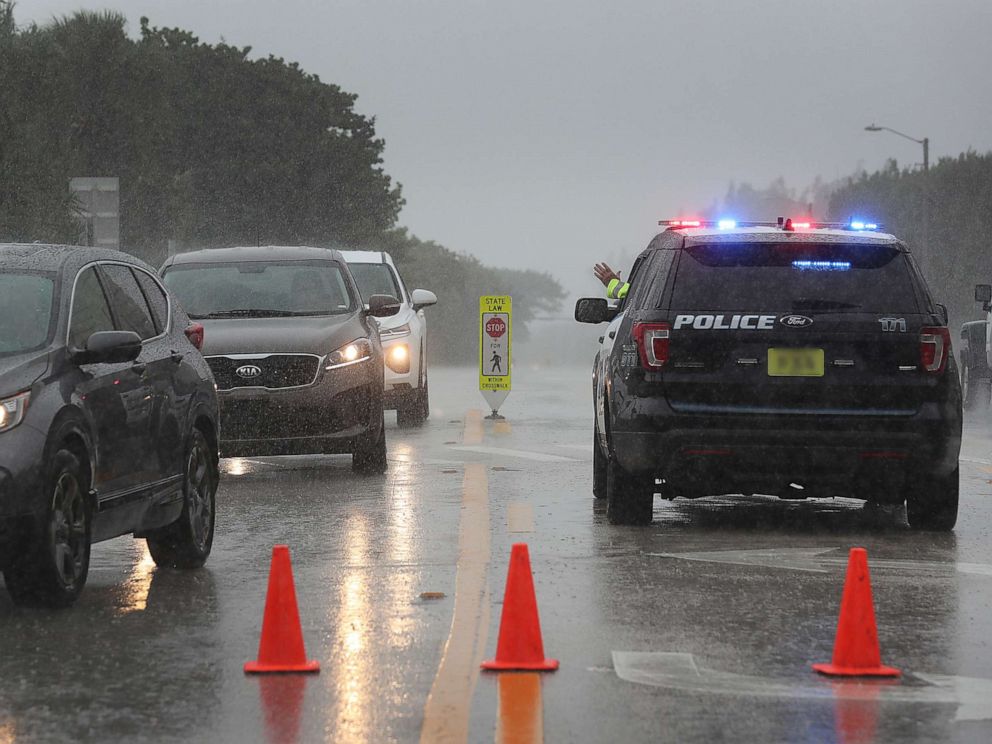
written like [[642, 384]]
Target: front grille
[[268, 419], [273, 371]]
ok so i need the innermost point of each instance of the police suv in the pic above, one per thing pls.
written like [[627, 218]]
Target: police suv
[[792, 358]]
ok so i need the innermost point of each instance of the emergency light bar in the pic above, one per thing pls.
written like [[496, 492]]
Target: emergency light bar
[[783, 223]]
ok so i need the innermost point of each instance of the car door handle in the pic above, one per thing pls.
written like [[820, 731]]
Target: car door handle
[[176, 357], [613, 334], [600, 339]]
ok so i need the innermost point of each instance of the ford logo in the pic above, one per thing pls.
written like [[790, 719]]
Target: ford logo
[[795, 321], [248, 371]]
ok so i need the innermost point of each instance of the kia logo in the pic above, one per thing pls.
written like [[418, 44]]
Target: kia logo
[[795, 321], [248, 371]]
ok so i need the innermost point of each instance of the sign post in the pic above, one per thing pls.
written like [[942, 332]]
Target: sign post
[[495, 336]]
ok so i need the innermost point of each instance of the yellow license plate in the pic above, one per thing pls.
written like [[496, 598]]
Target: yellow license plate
[[795, 362]]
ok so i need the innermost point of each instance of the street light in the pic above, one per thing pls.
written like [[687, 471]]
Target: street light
[[925, 142]]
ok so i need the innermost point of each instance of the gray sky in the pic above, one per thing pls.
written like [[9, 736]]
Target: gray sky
[[549, 134]]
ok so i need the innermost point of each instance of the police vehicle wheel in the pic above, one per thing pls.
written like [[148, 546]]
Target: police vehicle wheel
[[598, 468], [52, 568], [186, 543], [369, 456], [629, 498], [933, 504]]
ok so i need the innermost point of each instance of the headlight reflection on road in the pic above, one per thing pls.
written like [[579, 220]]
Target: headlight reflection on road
[[139, 583], [353, 674]]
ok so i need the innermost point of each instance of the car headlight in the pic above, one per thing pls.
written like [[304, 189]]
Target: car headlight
[[12, 410], [359, 350], [397, 332]]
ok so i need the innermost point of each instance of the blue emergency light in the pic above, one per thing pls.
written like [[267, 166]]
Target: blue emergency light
[[808, 265]]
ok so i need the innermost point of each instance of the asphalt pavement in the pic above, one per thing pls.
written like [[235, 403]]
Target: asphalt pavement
[[701, 627]]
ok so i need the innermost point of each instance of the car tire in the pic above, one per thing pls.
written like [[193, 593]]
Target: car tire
[[598, 468], [186, 543], [976, 392], [413, 414], [933, 504], [369, 455], [629, 497], [52, 566]]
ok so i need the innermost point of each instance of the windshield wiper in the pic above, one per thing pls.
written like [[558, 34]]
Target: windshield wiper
[[246, 313]]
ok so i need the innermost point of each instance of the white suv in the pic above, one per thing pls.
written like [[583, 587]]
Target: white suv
[[404, 335]]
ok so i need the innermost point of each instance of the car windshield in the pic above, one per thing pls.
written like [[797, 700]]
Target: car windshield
[[25, 311], [374, 278], [260, 289], [803, 277]]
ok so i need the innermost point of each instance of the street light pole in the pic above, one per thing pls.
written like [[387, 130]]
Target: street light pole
[[925, 142]]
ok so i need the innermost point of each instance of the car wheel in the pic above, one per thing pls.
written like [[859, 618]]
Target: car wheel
[[975, 391], [598, 467], [933, 503], [186, 543], [369, 456], [629, 497], [413, 414], [52, 568]]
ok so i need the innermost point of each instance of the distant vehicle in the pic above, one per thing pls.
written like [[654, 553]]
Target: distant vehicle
[[295, 353], [976, 355], [404, 335], [791, 359], [108, 418]]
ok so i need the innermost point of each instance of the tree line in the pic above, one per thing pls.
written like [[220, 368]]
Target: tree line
[[213, 147]]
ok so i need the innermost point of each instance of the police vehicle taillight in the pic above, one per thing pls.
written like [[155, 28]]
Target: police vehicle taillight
[[935, 343], [652, 343]]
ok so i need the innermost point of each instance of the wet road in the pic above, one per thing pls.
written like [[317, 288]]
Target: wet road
[[749, 587]]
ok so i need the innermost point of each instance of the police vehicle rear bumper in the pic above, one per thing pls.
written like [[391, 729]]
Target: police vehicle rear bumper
[[821, 453]]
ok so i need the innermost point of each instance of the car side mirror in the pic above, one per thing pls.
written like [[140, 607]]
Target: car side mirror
[[383, 306], [983, 294], [421, 298], [592, 310], [942, 312], [109, 347]]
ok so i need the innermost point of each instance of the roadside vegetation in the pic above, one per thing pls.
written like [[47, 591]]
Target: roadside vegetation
[[215, 147]]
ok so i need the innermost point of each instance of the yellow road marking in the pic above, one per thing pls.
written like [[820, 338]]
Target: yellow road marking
[[520, 516], [521, 715], [985, 469], [473, 432], [446, 714]]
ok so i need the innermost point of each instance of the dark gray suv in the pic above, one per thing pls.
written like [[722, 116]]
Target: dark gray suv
[[295, 353], [108, 419]]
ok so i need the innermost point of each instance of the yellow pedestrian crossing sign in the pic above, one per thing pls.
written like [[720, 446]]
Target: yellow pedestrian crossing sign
[[495, 348]]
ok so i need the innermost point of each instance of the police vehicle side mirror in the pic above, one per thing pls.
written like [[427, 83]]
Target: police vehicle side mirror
[[383, 306], [592, 310], [942, 312], [983, 294], [109, 347]]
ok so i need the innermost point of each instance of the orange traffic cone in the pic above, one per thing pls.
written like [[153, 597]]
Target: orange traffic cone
[[519, 645], [281, 647], [856, 651]]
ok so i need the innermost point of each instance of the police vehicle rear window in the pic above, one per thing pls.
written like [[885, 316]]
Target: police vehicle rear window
[[794, 277]]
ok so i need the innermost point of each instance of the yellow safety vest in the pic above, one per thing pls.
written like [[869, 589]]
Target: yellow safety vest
[[617, 290]]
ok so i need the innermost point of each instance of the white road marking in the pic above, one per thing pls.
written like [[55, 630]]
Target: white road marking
[[815, 560], [678, 671], [522, 454]]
